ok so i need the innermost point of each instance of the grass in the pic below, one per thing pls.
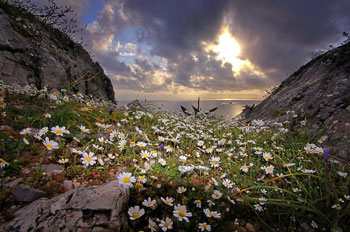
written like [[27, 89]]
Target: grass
[[286, 181]]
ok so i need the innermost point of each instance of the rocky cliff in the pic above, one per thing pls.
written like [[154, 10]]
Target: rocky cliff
[[318, 92], [32, 52]]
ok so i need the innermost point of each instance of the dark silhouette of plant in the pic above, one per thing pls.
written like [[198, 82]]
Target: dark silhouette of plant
[[197, 109]]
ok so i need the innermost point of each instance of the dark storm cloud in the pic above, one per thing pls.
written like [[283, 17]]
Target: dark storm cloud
[[275, 35]]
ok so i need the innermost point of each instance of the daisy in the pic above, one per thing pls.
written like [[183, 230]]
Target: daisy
[[215, 162], [227, 183], [142, 179], [210, 214], [141, 144], [245, 168], [168, 149], [152, 225], [162, 162], [122, 144], [198, 203], [204, 226], [154, 153], [336, 206], [181, 214], [258, 207], [50, 144], [181, 189], [135, 212], [111, 156], [149, 203], [47, 115], [166, 224], [43, 131], [168, 200], [25, 141], [268, 169], [209, 150], [200, 143], [63, 161], [3, 163], [101, 140], [25, 131], [343, 174], [126, 179], [145, 155], [88, 159], [216, 195], [210, 202], [59, 130], [267, 156]]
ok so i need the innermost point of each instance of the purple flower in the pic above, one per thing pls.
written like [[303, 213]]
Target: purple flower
[[110, 111], [162, 147], [325, 152]]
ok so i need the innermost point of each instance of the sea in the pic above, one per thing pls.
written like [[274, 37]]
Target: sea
[[226, 108]]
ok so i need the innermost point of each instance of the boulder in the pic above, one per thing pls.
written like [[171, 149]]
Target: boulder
[[94, 208]]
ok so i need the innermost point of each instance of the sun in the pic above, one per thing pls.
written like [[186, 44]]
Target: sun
[[227, 50]]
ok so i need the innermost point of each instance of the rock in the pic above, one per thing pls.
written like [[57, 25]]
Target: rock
[[318, 92], [99, 208], [13, 184], [26, 194], [32, 52], [68, 185], [250, 227], [52, 168]]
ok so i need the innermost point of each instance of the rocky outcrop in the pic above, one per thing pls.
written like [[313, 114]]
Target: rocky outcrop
[[318, 92], [84, 209], [32, 52]]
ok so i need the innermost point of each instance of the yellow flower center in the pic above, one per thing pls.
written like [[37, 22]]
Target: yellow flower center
[[245, 167], [139, 185], [227, 184], [182, 213], [166, 224], [58, 131], [2, 161], [267, 157], [135, 214], [88, 159], [269, 169], [204, 225], [48, 145], [126, 179], [214, 162], [167, 201], [211, 213]]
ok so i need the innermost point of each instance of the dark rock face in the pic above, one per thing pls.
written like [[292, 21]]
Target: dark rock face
[[319, 92], [34, 53]]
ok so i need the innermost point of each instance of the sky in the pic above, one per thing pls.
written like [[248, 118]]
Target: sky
[[222, 49]]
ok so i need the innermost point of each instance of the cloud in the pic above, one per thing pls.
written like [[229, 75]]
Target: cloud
[[159, 46]]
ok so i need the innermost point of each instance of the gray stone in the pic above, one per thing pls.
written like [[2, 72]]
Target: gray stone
[[34, 53], [68, 185], [52, 168], [27, 194], [13, 184], [99, 208]]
